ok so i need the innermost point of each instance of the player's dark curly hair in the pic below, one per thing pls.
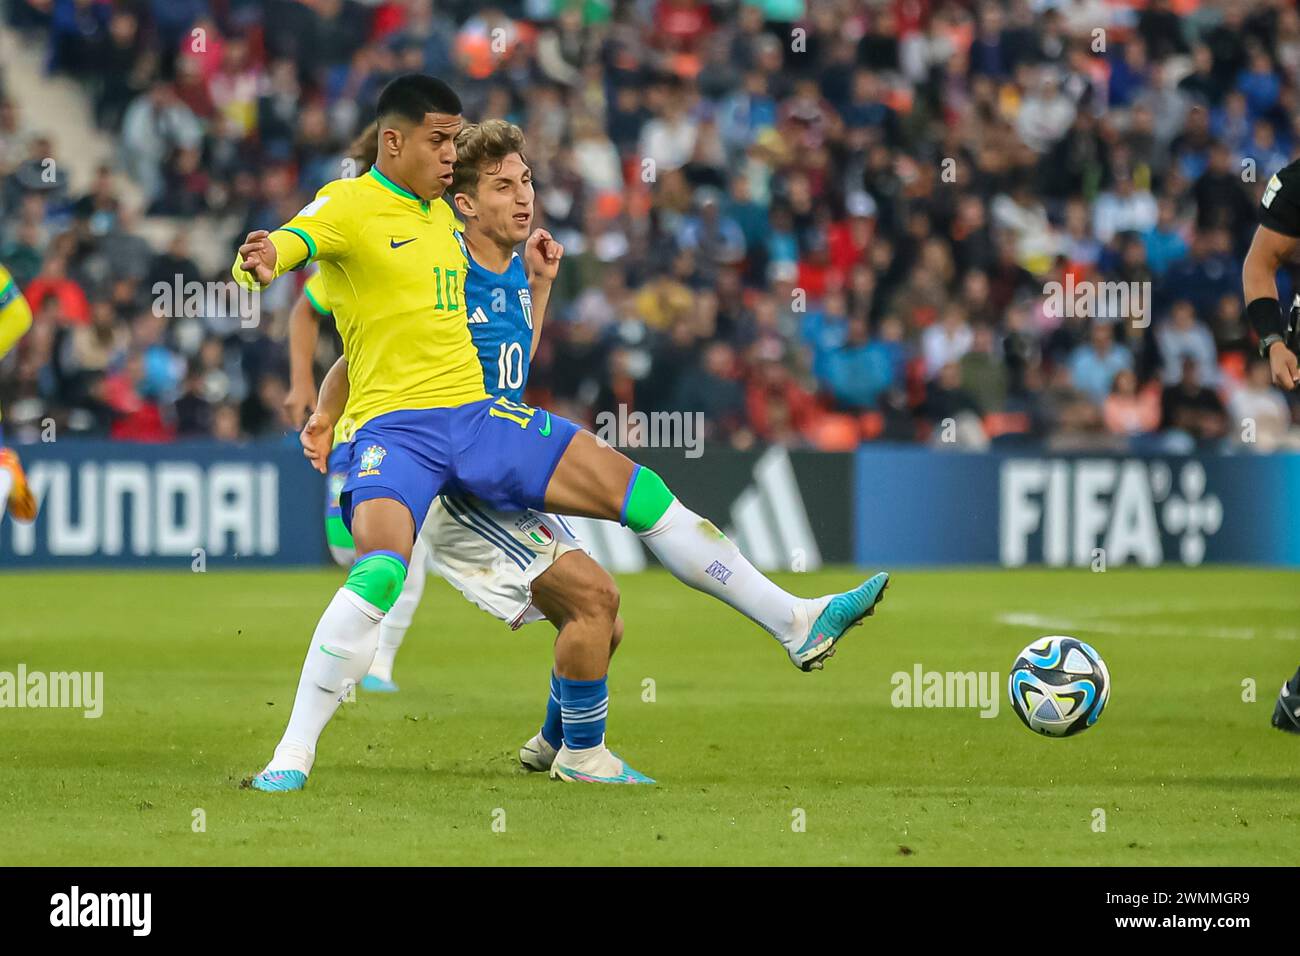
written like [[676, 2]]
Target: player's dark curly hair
[[481, 148]]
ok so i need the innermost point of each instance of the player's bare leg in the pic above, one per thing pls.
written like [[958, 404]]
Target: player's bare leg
[[594, 480], [579, 597], [345, 639]]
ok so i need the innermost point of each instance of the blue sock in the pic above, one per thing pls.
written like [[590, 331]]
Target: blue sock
[[552, 727], [583, 706]]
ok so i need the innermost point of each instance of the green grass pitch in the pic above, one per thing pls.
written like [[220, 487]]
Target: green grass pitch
[[199, 673]]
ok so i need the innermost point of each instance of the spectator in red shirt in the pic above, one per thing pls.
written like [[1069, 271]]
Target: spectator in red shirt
[[780, 410], [682, 23], [135, 417], [53, 280]]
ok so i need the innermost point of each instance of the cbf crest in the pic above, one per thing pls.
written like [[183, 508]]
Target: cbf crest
[[371, 459]]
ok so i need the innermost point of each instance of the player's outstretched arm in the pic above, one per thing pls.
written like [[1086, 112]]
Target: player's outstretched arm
[[334, 390], [1269, 251], [255, 261], [322, 230], [318, 435], [542, 256], [304, 332]]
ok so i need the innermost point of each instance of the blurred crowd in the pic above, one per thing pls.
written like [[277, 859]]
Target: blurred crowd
[[819, 222]]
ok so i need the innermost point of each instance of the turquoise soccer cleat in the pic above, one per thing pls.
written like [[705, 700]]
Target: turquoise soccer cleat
[[598, 765], [378, 685], [278, 781], [841, 612]]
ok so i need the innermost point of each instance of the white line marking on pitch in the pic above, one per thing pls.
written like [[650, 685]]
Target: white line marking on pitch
[[1102, 625]]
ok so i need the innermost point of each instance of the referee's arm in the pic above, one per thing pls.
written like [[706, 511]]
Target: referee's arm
[[1269, 251]]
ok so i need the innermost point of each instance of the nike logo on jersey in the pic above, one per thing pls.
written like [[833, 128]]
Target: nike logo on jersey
[[545, 431], [394, 244], [478, 316]]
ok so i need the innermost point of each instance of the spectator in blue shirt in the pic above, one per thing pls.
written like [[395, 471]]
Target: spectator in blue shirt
[[860, 371], [1094, 365], [1164, 241], [1260, 82]]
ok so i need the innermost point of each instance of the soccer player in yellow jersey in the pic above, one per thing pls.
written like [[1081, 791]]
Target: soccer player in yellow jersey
[[505, 562], [519, 565], [425, 425], [15, 320]]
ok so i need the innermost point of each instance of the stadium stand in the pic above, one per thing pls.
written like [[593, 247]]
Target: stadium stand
[[819, 224]]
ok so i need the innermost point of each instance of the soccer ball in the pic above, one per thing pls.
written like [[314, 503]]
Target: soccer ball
[[1058, 686]]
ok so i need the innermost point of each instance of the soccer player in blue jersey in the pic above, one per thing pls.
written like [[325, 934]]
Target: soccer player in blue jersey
[[426, 427]]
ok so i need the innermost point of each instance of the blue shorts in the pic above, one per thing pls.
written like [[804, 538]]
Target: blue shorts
[[499, 451]]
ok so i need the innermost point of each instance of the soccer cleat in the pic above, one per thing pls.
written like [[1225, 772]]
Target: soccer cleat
[[595, 765], [1286, 715], [22, 503], [378, 685], [537, 754], [841, 612], [278, 781]]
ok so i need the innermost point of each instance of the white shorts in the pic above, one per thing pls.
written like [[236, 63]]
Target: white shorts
[[492, 557]]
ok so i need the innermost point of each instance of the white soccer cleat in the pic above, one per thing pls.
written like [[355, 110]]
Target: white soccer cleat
[[593, 765], [537, 754]]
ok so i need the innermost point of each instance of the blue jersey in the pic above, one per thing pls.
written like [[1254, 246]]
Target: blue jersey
[[499, 309]]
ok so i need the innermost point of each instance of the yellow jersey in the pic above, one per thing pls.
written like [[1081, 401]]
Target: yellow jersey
[[392, 274], [16, 315], [317, 296]]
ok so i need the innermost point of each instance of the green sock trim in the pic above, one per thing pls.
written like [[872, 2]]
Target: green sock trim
[[377, 578], [647, 500], [337, 533]]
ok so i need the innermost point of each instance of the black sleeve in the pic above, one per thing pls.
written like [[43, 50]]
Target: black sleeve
[[1279, 207]]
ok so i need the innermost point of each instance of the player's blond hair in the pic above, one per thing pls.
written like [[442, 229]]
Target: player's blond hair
[[482, 148]]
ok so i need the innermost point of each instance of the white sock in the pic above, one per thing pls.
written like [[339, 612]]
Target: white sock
[[341, 650], [700, 555], [392, 630], [6, 486]]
